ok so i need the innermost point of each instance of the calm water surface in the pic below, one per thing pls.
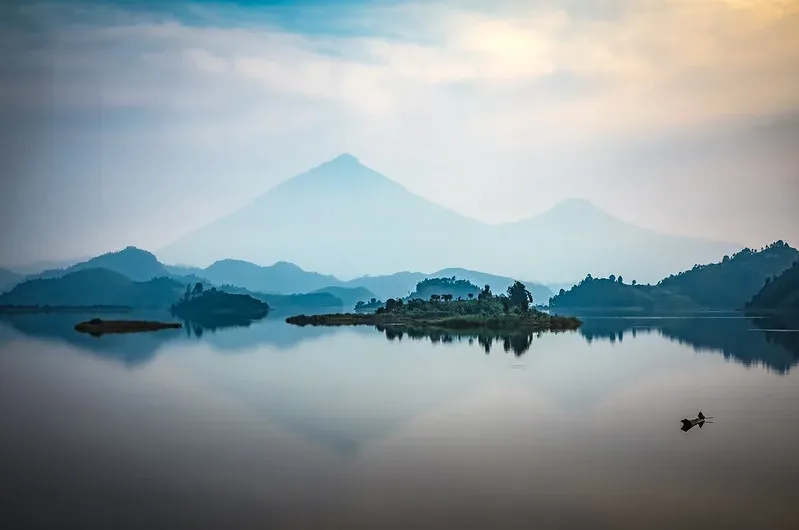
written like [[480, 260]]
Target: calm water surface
[[273, 426]]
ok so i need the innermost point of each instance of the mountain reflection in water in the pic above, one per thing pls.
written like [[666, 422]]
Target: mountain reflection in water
[[748, 341]]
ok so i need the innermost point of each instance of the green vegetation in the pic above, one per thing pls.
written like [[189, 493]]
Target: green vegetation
[[595, 294], [94, 287], [488, 311], [732, 282], [368, 307], [778, 294], [724, 286], [213, 305], [99, 327], [447, 287]]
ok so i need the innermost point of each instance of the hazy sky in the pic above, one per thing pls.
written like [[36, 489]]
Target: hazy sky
[[130, 122]]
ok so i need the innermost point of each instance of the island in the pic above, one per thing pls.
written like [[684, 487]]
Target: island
[[218, 307], [98, 326], [511, 311]]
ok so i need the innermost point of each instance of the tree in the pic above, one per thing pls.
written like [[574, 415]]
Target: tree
[[359, 305], [446, 297], [635, 282], [485, 294], [198, 288], [612, 277], [470, 295], [506, 303], [519, 296], [435, 297], [393, 305], [621, 280]]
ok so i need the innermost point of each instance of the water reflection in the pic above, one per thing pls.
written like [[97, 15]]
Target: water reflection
[[517, 342], [765, 342], [751, 342]]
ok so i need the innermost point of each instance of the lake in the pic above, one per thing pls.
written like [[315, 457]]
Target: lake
[[275, 426]]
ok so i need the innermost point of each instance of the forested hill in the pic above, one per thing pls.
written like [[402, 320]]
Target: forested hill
[[613, 294], [780, 294], [94, 287], [732, 282]]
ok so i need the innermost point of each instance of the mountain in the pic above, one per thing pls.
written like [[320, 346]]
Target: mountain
[[292, 302], [8, 279], [280, 278], [37, 267], [347, 219], [779, 294], [733, 281], [349, 296], [95, 287], [134, 263], [399, 284]]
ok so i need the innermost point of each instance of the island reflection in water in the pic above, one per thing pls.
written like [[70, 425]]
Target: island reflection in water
[[749, 341], [278, 426]]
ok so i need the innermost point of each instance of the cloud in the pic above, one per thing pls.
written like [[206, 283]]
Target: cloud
[[458, 100]]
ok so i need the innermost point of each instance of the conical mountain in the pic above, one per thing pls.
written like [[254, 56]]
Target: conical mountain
[[341, 218], [346, 219]]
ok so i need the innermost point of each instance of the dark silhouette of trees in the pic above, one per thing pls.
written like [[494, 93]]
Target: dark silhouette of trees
[[731, 283], [519, 296], [485, 294]]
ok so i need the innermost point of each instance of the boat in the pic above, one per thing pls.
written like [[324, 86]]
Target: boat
[[700, 420]]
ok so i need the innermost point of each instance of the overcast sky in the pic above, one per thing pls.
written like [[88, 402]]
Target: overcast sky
[[133, 123]]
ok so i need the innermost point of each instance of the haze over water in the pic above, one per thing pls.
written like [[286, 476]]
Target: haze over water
[[274, 426]]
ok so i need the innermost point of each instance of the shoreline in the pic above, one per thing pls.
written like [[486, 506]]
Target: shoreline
[[97, 326], [451, 322]]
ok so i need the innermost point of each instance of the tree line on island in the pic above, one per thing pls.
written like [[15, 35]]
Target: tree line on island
[[510, 310]]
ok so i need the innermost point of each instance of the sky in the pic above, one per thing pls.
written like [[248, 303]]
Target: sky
[[135, 122]]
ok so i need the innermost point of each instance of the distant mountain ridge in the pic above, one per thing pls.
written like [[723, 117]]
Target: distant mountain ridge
[[136, 264], [348, 219], [94, 286], [8, 279]]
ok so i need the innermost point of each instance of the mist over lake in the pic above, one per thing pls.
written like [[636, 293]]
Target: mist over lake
[[289, 427]]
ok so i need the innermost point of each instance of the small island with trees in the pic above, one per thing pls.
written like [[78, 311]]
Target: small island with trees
[[216, 306], [510, 311], [99, 327]]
